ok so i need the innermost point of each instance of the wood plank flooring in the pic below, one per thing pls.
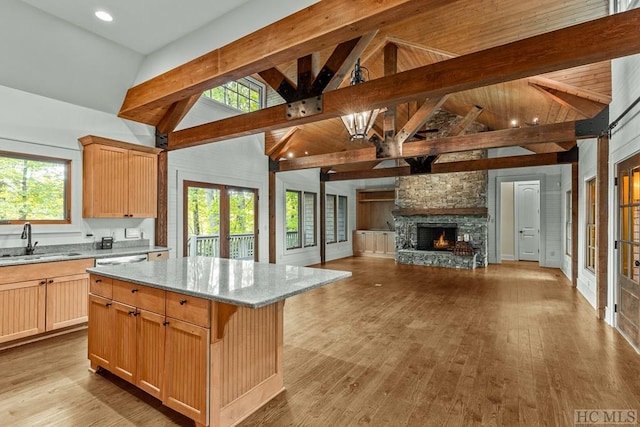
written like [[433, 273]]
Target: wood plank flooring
[[509, 345]]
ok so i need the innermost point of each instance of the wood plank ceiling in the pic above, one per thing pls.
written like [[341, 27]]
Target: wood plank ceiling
[[462, 28], [426, 35]]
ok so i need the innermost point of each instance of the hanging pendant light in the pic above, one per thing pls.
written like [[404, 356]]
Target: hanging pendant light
[[359, 124]]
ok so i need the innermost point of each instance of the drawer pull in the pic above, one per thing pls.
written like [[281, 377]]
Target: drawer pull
[[183, 301], [133, 313], [108, 304], [133, 291], [165, 323], [98, 280]]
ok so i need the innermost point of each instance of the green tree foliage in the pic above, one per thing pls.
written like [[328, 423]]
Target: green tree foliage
[[293, 210], [204, 211], [32, 189]]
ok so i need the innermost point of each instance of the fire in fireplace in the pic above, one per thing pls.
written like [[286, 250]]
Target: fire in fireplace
[[437, 237]]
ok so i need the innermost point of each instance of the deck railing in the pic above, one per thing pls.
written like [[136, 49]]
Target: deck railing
[[241, 246]]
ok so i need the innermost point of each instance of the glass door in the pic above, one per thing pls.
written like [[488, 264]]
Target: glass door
[[628, 287], [220, 221]]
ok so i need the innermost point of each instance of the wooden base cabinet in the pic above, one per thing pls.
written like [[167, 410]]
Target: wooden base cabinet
[[38, 298], [213, 362], [374, 243]]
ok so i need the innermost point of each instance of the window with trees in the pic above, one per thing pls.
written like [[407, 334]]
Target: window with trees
[[336, 219], [301, 227], [591, 224], [623, 5], [568, 223], [34, 189], [245, 94]]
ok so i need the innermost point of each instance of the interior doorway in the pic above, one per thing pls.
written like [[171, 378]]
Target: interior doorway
[[519, 220], [220, 221]]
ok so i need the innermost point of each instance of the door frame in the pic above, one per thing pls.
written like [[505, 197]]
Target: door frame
[[516, 220], [224, 214], [498, 203], [615, 288]]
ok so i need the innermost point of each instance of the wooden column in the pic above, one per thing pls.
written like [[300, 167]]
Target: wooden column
[[162, 225], [602, 222], [272, 217], [323, 223], [574, 225]]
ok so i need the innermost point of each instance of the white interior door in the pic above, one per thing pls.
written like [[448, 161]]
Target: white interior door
[[527, 222]]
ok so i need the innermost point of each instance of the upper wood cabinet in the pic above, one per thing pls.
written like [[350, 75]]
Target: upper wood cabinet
[[119, 179]]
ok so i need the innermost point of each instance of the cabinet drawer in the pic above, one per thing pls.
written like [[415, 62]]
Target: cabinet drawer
[[102, 286], [156, 256], [144, 297], [188, 308]]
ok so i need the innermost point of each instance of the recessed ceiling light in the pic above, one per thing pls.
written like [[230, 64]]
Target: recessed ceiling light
[[104, 16], [290, 155]]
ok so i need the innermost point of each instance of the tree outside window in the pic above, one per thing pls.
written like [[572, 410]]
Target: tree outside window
[[34, 189], [591, 224]]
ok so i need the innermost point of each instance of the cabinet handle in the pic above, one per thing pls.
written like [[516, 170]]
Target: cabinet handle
[[108, 304], [50, 281], [165, 323], [98, 280], [132, 313], [183, 301], [43, 282], [133, 291]]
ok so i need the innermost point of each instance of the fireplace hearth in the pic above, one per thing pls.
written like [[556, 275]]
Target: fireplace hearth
[[436, 237]]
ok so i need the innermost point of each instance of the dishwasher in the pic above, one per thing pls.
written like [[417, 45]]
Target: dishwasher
[[101, 262]]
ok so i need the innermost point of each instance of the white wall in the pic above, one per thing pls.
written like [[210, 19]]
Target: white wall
[[550, 178], [33, 124], [566, 186]]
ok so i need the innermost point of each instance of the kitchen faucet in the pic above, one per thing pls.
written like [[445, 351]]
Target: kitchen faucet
[[26, 234]]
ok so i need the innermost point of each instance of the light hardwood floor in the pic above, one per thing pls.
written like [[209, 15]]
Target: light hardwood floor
[[509, 345]]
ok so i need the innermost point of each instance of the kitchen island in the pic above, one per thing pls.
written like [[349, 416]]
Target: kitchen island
[[204, 335]]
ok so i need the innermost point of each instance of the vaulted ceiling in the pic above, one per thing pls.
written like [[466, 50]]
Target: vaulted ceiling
[[460, 35]]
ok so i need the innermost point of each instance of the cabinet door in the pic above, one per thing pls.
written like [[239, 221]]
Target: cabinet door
[[143, 187], [390, 241], [110, 182], [150, 354], [67, 299], [369, 242], [100, 340], [123, 362], [381, 243], [186, 369], [22, 309], [358, 243]]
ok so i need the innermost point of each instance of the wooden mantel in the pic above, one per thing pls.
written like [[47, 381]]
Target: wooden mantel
[[440, 211]]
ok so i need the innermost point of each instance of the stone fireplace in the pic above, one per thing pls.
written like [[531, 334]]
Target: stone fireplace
[[441, 219]]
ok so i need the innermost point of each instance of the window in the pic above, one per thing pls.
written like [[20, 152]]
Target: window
[[300, 208], [336, 219], [330, 219], [34, 189], [245, 94], [568, 223], [624, 5], [591, 224]]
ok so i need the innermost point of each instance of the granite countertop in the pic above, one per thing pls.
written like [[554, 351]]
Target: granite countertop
[[69, 253], [242, 283]]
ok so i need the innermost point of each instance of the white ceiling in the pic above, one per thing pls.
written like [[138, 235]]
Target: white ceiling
[[141, 25]]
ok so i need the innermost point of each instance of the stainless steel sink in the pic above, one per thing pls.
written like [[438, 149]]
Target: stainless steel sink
[[39, 256]]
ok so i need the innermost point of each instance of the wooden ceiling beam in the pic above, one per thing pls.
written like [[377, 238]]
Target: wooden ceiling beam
[[340, 63], [593, 41], [582, 106], [557, 132], [175, 114], [466, 121], [275, 150], [326, 23], [280, 83], [509, 162], [574, 90], [305, 76], [426, 111]]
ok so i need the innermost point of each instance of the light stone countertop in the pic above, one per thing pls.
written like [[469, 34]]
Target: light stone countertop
[[71, 254], [242, 283]]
